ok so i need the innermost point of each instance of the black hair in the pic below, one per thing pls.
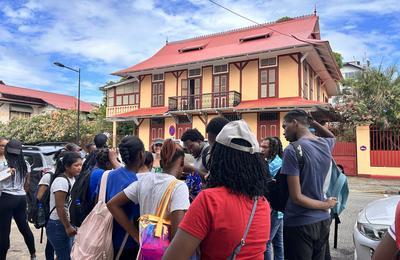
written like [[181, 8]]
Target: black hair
[[66, 159], [100, 140], [102, 158], [87, 146], [192, 135], [240, 172], [71, 147], [149, 159], [275, 147], [299, 115], [130, 148], [16, 161], [216, 124]]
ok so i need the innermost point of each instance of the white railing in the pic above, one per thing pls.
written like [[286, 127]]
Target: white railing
[[112, 111]]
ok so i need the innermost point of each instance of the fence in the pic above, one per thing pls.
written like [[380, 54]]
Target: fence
[[385, 147]]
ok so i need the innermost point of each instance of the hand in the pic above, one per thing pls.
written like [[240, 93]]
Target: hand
[[135, 237], [12, 171], [112, 154], [71, 231], [331, 202]]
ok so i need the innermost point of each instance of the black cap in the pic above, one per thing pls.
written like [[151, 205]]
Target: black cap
[[14, 147], [100, 140]]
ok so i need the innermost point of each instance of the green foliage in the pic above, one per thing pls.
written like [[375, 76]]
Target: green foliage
[[284, 19], [372, 98], [55, 126], [339, 59]]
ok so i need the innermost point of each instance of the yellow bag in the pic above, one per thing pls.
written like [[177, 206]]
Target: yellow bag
[[154, 237]]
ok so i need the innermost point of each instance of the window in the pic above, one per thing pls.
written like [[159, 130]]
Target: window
[[305, 81], [184, 87], [255, 37], [220, 84], [125, 95], [311, 85], [270, 62], [232, 117], [158, 94], [110, 97], [18, 114], [268, 116], [268, 83], [218, 69], [194, 73], [191, 48], [158, 77]]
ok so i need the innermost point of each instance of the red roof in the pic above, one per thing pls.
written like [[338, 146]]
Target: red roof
[[59, 101], [230, 43], [278, 103], [145, 112]]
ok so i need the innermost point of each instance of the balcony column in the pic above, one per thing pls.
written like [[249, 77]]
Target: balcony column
[[114, 135]]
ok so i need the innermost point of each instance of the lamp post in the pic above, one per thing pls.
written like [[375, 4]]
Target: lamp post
[[79, 97]]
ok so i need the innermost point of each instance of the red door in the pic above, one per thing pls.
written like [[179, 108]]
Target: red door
[[156, 129], [268, 125], [181, 128], [345, 154]]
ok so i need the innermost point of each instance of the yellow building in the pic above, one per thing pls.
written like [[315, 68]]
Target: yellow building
[[255, 73]]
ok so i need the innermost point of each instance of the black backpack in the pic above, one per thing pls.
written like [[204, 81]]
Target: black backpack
[[40, 212], [81, 205], [278, 193], [205, 157]]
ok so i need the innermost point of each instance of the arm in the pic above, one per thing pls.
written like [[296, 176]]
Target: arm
[[304, 201], [60, 197], [176, 218], [321, 130], [115, 207], [42, 189], [112, 156], [386, 249], [182, 246]]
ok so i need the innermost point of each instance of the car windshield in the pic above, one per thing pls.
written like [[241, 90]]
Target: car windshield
[[49, 160]]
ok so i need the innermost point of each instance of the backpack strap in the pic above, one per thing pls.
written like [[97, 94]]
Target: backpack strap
[[68, 192], [204, 158], [163, 207], [246, 231], [103, 186]]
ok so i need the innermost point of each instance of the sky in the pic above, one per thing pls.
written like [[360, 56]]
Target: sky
[[104, 36]]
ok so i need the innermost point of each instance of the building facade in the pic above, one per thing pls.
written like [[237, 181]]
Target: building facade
[[256, 73], [18, 102]]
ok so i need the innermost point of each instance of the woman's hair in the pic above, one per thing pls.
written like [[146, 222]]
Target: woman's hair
[[240, 172], [275, 147], [16, 161], [66, 159], [102, 158], [170, 152], [149, 159], [130, 148], [72, 147]]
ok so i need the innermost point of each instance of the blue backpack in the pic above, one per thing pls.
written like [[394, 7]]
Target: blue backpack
[[339, 188]]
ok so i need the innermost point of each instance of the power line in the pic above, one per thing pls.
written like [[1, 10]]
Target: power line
[[263, 25]]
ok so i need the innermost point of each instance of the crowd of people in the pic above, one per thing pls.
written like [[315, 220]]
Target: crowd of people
[[213, 194]]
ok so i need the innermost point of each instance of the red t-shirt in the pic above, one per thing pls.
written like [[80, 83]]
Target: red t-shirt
[[219, 218]]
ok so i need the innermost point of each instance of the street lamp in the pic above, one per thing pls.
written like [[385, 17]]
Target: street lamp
[[79, 96]]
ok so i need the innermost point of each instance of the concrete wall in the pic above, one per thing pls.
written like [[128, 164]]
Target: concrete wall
[[364, 157], [145, 92], [288, 77], [250, 81], [144, 133], [4, 112]]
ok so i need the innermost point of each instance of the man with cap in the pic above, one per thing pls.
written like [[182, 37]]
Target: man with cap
[[13, 197]]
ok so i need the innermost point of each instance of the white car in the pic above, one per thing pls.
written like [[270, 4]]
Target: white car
[[372, 224]]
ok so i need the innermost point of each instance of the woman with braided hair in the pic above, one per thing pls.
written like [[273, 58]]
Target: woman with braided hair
[[132, 151], [149, 190]]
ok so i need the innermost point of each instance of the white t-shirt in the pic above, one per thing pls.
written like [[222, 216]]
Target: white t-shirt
[[60, 184], [149, 190], [45, 180]]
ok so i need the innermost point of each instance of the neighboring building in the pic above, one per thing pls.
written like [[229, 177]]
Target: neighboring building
[[352, 69], [17, 102], [255, 73]]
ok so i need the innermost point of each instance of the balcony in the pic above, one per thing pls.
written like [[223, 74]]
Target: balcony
[[204, 101], [112, 111]]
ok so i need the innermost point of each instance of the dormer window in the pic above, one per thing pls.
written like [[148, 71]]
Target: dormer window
[[255, 37], [192, 48], [269, 62], [219, 69], [158, 77]]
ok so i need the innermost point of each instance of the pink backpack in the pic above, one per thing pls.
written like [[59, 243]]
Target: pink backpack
[[94, 237]]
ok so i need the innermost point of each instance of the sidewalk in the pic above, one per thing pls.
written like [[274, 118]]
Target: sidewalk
[[369, 185]]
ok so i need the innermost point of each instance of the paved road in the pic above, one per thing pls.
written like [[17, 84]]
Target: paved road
[[357, 201], [345, 250]]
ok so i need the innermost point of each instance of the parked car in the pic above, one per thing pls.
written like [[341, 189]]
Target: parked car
[[372, 224]]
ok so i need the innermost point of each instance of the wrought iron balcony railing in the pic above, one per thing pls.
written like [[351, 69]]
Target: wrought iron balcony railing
[[204, 101]]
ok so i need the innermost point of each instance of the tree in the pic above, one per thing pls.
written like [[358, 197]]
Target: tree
[[339, 59], [284, 19], [373, 98]]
